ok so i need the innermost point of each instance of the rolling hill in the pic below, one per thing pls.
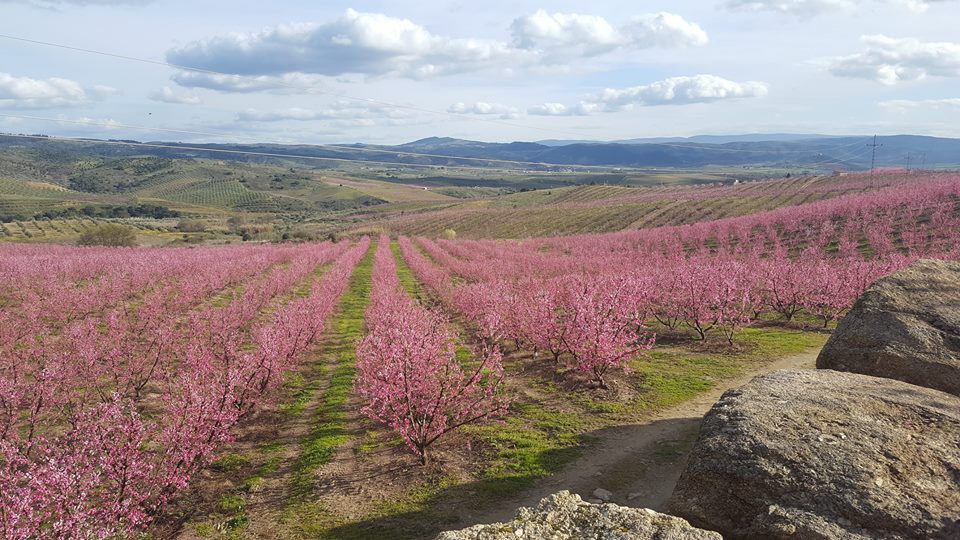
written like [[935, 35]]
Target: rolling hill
[[46, 183]]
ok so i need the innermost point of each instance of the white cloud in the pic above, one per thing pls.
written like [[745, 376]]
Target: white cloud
[[28, 93], [917, 6], [678, 91], [374, 44], [549, 109], [167, 95], [663, 30], [803, 8], [286, 83], [542, 30], [810, 8], [100, 91], [559, 109], [891, 60], [86, 122], [278, 115], [363, 43], [50, 4], [564, 35], [484, 109], [904, 105], [340, 110], [672, 91]]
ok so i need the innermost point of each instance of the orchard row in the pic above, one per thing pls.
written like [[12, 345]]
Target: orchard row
[[109, 406]]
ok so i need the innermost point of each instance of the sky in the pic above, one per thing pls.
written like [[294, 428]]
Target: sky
[[390, 72]]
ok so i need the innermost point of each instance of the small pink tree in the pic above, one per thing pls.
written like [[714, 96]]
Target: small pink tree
[[408, 370], [602, 329]]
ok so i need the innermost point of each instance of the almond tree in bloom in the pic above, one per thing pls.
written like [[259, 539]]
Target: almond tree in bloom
[[603, 330], [408, 370], [106, 413]]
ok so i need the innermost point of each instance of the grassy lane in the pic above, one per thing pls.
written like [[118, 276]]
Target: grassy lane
[[331, 429], [407, 279], [261, 485]]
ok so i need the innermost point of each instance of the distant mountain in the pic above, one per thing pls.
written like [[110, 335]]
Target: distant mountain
[[565, 142], [824, 152], [724, 139], [707, 139], [792, 151]]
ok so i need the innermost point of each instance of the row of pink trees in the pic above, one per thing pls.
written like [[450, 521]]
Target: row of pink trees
[[408, 370], [596, 323], [719, 275], [921, 220], [102, 424], [59, 284], [707, 293]]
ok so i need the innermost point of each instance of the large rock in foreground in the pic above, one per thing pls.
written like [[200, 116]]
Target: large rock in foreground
[[906, 326], [824, 454], [563, 516]]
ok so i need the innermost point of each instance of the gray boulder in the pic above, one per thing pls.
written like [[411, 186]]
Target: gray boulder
[[906, 326], [816, 454], [563, 516]]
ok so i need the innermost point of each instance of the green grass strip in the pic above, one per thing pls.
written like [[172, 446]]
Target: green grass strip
[[407, 279], [331, 430]]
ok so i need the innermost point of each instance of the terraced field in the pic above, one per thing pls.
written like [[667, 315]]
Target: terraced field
[[387, 191], [30, 197], [605, 208], [67, 230]]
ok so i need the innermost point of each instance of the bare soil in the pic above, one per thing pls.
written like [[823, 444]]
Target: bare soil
[[640, 463]]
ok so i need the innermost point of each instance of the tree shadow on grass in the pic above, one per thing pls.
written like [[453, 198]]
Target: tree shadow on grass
[[443, 509], [487, 500]]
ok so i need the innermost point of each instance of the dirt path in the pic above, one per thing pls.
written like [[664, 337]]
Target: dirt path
[[641, 463]]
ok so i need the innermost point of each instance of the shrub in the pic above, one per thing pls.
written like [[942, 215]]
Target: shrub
[[192, 225], [235, 223], [110, 234]]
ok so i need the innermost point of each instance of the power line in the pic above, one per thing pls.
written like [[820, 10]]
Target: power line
[[838, 160], [313, 89], [873, 158]]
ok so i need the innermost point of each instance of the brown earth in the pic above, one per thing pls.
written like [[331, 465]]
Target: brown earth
[[641, 463]]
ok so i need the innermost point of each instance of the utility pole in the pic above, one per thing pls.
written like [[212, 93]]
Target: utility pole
[[923, 161], [908, 161], [873, 157]]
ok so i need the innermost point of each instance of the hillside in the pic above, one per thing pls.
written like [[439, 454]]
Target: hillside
[[607, 208], [818, 153], [814, 152], [52, 190]]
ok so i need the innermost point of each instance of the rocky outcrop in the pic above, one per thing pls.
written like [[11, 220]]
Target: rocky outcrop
[[906, 326], [825, 454], [564, 516]]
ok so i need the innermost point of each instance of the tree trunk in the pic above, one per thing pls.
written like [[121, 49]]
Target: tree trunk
[[598, 377]]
